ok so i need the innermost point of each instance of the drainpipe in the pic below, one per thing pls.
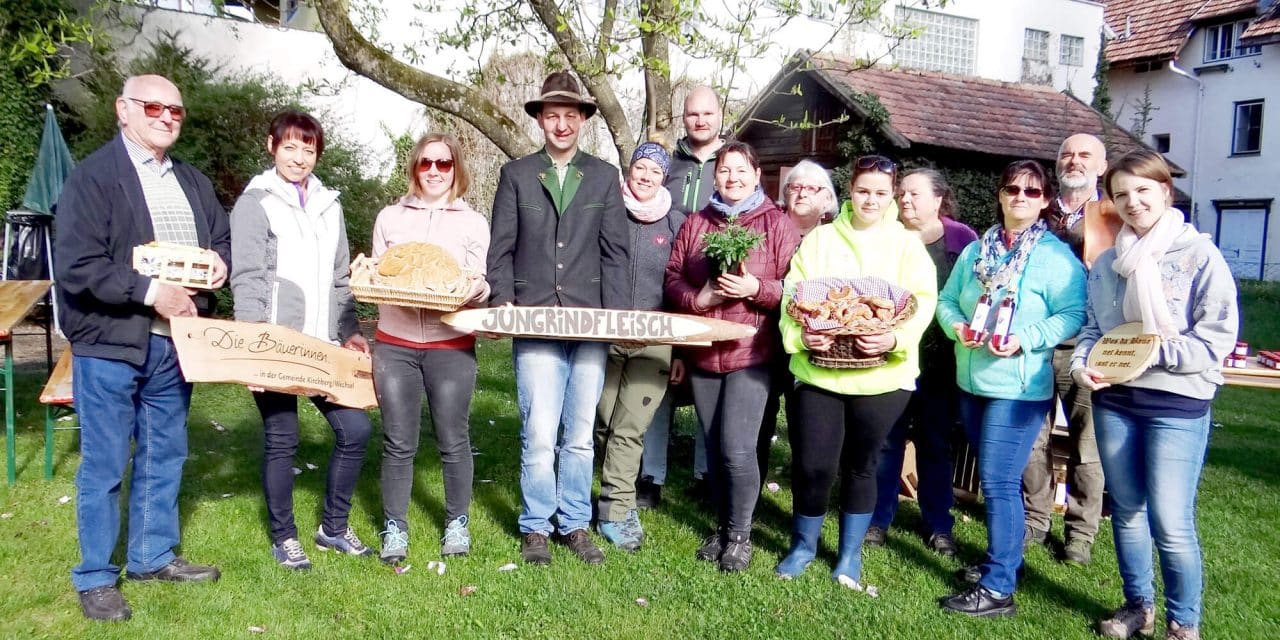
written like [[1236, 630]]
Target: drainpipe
[[1195, 141]]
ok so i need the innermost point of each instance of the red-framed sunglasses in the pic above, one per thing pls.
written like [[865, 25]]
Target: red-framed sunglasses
[[443, 166], [154, 109]]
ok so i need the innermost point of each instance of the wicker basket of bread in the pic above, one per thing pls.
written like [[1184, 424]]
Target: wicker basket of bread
[[847, 308], [413, 274]]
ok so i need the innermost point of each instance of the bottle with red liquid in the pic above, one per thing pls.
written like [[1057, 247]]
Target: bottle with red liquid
[[977, 329], [1004, 320]]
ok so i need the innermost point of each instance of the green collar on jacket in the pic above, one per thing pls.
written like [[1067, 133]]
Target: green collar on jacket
[[561, 194]]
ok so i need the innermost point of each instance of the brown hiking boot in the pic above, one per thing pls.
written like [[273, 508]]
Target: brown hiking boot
[[533, 548], [579, 542], [1135, 617]]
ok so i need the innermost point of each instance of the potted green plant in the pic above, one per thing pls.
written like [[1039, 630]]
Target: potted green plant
[[728, 247]]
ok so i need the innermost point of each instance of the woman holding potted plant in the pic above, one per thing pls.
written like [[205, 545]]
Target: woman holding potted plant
[[728, 262], [844, 414]]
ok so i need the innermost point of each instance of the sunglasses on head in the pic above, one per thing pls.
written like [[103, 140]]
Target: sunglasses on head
[[1013, 190], [879, 163], [443, 166], [154, 109]]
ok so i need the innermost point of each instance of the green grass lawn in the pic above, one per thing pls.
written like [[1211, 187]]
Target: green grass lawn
[[224, 522]]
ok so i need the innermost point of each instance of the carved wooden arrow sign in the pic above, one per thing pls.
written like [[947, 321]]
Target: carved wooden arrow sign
[[274, 358], [601, 325]]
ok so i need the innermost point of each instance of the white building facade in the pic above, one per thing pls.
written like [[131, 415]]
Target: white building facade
[[1048, 42], [1211, 108]]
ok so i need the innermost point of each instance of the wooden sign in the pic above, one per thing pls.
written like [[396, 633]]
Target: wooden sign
[[177, 264], [274, 358], [1124, 353], [602, 325]]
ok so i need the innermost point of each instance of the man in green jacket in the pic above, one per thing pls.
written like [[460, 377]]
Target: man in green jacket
[[559, 238]]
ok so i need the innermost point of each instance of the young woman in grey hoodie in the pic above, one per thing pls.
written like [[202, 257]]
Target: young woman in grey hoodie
[[1153, 430]]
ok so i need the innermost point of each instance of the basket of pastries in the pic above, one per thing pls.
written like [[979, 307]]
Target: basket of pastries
[[412, 274], [846, 308]]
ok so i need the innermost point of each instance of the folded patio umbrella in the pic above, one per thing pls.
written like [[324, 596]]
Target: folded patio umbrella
[[53, 165]]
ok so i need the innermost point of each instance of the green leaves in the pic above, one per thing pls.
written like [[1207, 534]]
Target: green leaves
[[729, 246]]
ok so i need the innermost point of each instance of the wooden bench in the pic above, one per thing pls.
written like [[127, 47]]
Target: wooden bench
[[56, 398]]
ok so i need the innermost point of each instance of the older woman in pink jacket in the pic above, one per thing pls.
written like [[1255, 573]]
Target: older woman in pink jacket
[[416, 352]]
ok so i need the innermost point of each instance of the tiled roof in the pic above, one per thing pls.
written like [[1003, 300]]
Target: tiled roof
[[1157, 29], [974, 114], [1222, 8], [1267, 25]]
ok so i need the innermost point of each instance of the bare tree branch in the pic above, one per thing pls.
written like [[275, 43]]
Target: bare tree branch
[[367, 59], [597, 83]]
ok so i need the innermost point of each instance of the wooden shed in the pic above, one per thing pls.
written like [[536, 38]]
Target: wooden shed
[[817, 101]]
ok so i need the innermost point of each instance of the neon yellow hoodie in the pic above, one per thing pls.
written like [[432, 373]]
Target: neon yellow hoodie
[[888, 251]]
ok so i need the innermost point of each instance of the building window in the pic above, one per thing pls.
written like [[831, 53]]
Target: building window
[[1161, 142], [1246, 136], [945, 43], [1035, 45], [1071, 51], [1222, 41]]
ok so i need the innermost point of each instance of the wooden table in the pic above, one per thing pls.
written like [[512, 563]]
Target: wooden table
[[17, 297], [1253, 376]]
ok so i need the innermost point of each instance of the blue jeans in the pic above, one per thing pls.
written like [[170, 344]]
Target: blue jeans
[[119, 402], [558, 385], [1152, 466], [1004, 431], [928, 420]]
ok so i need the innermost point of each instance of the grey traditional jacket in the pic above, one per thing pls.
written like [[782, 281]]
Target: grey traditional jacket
[[559, 245]]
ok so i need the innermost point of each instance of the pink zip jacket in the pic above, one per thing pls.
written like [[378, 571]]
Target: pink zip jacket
[[457, 228]]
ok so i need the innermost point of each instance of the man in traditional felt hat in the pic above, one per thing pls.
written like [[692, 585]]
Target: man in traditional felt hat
[[560, 238]]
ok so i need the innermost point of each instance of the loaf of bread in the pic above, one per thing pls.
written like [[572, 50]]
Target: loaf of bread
[[419, 266]]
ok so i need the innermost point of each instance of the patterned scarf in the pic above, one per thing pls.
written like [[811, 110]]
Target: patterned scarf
[[649, 211], [998, 265], [732, 211]]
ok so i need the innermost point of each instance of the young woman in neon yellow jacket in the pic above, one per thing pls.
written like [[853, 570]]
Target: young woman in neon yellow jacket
[[843, 415]]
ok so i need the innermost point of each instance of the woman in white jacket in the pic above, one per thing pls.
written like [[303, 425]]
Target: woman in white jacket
[[288, 230]]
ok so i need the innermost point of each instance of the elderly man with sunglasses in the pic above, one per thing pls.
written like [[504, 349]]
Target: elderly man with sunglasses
[[126, 378]]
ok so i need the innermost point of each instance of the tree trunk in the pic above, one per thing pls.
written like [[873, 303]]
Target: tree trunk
[[657, 73]]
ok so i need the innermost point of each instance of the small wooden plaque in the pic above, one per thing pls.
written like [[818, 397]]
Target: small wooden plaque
[[1124, 353], [274, 358], [601, 325], [175, 264]]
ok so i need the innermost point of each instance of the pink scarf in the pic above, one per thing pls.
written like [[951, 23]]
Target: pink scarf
[[649, 211]]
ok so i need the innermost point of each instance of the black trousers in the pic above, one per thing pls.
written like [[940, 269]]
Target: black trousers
[[844, 434]]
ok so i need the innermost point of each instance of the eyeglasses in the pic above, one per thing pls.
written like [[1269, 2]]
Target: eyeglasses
[[879, 163], [154, 109], [1012, 190], [806, 189], [443, 165]]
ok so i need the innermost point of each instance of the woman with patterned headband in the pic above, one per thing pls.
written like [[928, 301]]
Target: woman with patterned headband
[[1023, 289], [635, 379], [843, 414]]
